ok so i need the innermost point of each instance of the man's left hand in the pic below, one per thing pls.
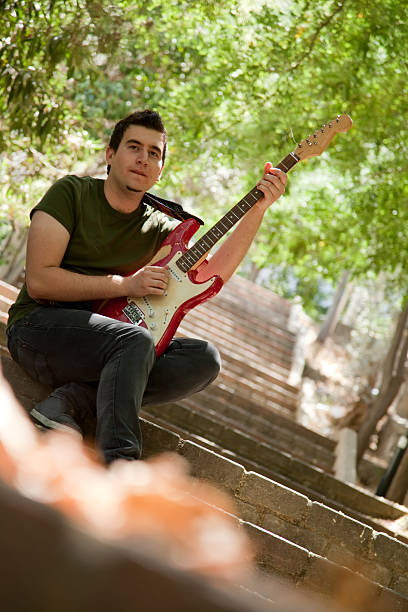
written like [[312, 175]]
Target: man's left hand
[[272, 185]]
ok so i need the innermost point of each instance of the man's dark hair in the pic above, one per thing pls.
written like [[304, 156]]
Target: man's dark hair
[[147, 118]]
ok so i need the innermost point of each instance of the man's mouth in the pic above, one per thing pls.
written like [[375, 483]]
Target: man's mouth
[[139, 172]]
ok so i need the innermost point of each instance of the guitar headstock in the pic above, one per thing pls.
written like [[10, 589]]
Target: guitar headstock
[[317, 142]]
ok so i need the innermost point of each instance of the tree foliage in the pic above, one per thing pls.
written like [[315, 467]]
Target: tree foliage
[[236, 82]]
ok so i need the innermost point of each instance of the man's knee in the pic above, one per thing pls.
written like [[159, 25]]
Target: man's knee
[[204, 356], [135, 339], [212, 360]]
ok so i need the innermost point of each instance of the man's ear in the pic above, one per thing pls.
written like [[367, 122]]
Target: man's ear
[[160, 173], [109, 153]]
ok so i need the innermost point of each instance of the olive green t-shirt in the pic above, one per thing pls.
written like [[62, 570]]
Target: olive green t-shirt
[[102, 239]]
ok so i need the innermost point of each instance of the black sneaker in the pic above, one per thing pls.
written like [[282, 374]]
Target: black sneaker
[[62, 422]]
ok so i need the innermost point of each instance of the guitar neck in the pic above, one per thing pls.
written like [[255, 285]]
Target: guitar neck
[[204, 244]]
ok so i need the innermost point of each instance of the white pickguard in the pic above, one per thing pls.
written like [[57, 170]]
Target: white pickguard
[[158, 310]]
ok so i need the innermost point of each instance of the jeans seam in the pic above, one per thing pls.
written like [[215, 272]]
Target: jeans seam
[[114, 385]]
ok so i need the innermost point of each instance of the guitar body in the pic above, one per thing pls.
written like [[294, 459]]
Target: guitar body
[[162, 314]]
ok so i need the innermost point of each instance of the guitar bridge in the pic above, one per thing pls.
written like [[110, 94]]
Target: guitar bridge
[[133, 313]]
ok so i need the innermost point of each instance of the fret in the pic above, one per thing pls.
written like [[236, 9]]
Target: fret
[[210, 241], [227, 227], [199, 247], [202, 246]]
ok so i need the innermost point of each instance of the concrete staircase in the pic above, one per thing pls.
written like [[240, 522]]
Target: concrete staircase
[[310, 529]]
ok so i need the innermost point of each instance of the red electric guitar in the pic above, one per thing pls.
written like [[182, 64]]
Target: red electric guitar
[[163, 314]]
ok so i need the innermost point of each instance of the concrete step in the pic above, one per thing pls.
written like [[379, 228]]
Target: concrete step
[[267, 353], [255, 321], [5, 304], [269, 460], [299, 443], [257, 390], [262, 354], [292, 437], [216, 399], [233, 345], [8, 291], [27, 391], [299, 539], [219, 309], [213, 316], [255, 300]]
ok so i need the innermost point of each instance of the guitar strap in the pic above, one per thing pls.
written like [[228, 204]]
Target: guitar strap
[[169, 208]]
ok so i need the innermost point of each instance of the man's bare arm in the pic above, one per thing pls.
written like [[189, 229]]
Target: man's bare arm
[[46, 245], [227, 258]]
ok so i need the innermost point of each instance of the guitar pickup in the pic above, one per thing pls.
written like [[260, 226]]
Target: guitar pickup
[[133, 313]]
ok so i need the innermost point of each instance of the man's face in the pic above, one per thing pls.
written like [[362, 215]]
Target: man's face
[[137, 164]]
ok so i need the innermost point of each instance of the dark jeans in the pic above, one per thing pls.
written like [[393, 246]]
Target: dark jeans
[[107, 367]]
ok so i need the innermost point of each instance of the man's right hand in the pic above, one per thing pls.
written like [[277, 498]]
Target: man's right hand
[[150, 280]]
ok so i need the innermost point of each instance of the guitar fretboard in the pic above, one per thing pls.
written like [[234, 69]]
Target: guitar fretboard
[[206, 242]]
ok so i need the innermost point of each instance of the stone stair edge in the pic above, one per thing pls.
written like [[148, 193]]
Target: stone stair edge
[[369, 471], [254, 373], [243, 339], [240, 343], [225, 390], [261, 369], [220, 307], [254, 393], [260, 388], [271, 418], [242, 281], [269, 406], [235, 292], [290, 467], [282, 439], [239, 478], [8, 291], [377, 524], [267, 299]]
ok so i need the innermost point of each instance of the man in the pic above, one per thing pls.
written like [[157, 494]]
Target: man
[[86, 239]]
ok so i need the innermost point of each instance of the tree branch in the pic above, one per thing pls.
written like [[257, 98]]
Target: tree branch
[[315, 36]]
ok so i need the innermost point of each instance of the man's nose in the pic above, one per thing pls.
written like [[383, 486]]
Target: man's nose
[[142, 156]]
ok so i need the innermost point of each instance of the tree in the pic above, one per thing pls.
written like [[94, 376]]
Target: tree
[[391, 377], [232, 84]]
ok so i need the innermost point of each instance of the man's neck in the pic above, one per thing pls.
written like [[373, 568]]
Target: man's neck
[[125, 200]]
